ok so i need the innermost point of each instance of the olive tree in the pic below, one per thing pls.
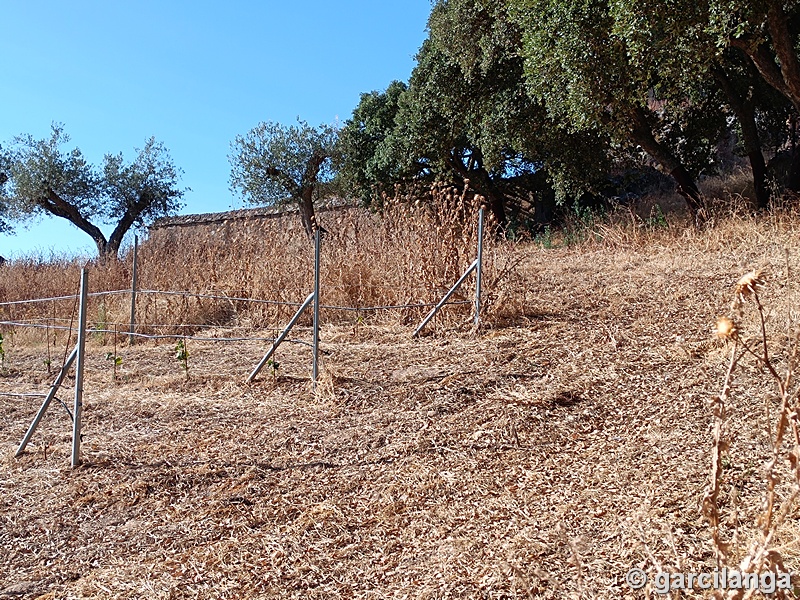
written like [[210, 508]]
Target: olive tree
[[40, 177], [275, 163]]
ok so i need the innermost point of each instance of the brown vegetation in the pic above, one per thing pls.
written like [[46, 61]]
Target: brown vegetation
[[542, 457]]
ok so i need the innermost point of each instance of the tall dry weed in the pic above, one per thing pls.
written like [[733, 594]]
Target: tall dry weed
[[755, 539], [254, 274]]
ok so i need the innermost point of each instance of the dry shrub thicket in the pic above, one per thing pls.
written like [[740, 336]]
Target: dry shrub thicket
[[407, 255]]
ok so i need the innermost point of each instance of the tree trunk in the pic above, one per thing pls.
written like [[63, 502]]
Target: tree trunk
[[306, 196], [642, 134], [124, 225], [779, 68], [745, 112], [784, 44], [544, 207], [759, 167], [481, 182], [307, 215], [57, 206], [687, 188]]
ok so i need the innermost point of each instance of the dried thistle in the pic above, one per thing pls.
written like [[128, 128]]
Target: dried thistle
[[749, 285], [726, 328]]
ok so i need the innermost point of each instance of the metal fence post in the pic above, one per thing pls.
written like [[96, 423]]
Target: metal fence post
[[79, 361], [281, 337], [315, 365], [479, 271], [131, 339], [48, 399], [444, 300]]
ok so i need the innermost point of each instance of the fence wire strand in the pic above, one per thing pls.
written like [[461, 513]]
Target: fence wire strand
[[184, 294], [149, 336]]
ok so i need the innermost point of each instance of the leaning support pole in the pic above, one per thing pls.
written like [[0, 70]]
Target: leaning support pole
[[479, 271], [48, 399], [134, 282], [444, 300], [80, 347], [281, 337], [315, 344]]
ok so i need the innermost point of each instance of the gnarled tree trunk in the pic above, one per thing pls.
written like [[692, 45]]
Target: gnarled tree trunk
[[743, 107], [642, 134]]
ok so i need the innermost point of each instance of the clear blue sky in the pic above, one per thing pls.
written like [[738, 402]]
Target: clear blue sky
[[194, 74]]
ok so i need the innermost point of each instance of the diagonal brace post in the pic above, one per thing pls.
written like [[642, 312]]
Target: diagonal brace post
[[444, 300], [48, 399], [281, 337]]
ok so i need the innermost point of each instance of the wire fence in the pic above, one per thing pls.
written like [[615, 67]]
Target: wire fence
[[127, 329], [205, 296], [144, 327]]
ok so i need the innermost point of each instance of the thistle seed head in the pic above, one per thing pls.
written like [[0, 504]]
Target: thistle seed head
[[726, 328], [750, 284]]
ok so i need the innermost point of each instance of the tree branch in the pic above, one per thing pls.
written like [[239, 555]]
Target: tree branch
[[765, 62], [783, 42], [59, 207]]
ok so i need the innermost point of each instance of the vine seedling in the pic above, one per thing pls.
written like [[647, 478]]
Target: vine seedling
[[273, 367], [115, 362], [182, 356]]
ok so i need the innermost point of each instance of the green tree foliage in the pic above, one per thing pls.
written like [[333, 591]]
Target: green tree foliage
[[466, 115], [579, 63], [766, 31], [504, 92], [369, 164], [275, 163], [41, 178], [699, 67]]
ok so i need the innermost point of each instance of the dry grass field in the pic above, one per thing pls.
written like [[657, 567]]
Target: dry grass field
[[567, 441]]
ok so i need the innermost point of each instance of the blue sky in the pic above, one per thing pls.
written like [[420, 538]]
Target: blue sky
[[192, 74]]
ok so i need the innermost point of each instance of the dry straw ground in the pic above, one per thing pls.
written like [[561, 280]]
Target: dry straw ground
[[543, 457]]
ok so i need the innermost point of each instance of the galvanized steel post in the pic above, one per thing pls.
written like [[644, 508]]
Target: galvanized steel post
[[478, 272], [281, 337], [48, 399], [315, 365], [444, 300], [79, 361], [134, 278]]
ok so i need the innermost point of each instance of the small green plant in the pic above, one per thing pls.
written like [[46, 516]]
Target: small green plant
[[544, 238], [116, 361], [657, 220], [357, 325], [579, 225], [273, 367], [182, 355]]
